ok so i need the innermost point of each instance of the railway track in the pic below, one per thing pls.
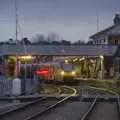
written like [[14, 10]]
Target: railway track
[[103, 110], [44, 106], [64, 112], [34, 109]]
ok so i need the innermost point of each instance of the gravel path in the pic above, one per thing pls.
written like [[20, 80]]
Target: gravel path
[[105, 111], [68, 111]]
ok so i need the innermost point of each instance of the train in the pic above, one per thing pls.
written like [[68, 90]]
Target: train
[[61, 71], [49, 71]]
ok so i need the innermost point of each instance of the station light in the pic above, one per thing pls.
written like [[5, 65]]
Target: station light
[[81, 59], [75, 60], [102, 57], [92, 61], [12, 58], [66, 61], [29, 57], [73, 72], [62, 72]]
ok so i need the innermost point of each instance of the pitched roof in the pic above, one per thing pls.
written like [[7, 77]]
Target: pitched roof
[[88, 50], [102, 31]]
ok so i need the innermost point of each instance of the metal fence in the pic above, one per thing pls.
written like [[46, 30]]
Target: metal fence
[[5, 87], [27, 86]]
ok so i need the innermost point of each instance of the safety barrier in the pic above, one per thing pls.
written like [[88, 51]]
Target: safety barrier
[[5, 87], [27, 86]]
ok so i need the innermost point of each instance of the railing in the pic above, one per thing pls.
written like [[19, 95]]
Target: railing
[[27, 86], [5, 87]]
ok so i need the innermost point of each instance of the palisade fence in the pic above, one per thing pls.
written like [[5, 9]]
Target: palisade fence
[[28, 86], [5, 87]]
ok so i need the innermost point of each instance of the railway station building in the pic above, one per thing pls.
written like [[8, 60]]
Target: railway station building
[[110, 35], [91, 61]]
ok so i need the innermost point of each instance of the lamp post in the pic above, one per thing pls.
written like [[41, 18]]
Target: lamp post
[[16, 35], [102, 66], [101, 53], [16, 21]]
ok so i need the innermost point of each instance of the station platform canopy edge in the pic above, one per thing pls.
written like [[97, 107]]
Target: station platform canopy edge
[[82, 50]]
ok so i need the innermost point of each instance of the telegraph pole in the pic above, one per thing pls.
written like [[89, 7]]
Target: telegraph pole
[[16, 21], [101, 54], [98, 22], [16, 34]]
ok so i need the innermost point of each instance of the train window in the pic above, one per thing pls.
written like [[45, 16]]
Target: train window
[[67, 66]]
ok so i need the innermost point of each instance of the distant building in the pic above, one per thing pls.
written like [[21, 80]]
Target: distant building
[[110, 35]]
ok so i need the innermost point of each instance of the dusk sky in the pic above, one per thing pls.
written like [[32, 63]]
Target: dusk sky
[[71, 19]]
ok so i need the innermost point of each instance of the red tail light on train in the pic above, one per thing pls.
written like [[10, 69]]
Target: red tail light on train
[[42, 72]]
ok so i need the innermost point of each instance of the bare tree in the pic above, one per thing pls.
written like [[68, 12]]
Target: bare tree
[[90, 42], [9, 41], [65, 42], [52, 38], [25, 41], [79, 42]]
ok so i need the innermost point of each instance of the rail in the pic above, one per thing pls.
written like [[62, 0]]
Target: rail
[[47, 106], [92, 106], [54, 105], [21, 107], [95, 103]]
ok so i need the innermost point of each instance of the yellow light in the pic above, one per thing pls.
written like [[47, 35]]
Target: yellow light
[[102, 57], [73, 72], [25, 57], [12, 57], [83, 58], [75, 59], [62, 72], [80, 59], [66, 61], [92, 61]]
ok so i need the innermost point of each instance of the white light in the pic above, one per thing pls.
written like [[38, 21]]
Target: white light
[[83, 58], [102, 57], [62, 72], [73, 72], [25, 57], [92, 61], [75, 60], [66, 61]]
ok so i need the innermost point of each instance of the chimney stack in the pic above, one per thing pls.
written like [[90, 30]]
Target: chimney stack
[[117, 19]]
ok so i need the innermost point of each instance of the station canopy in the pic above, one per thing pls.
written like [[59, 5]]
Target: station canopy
[[71, 50]]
